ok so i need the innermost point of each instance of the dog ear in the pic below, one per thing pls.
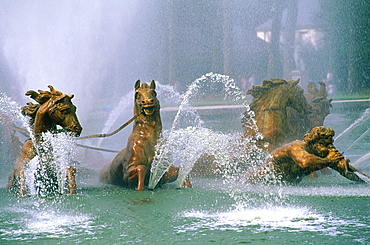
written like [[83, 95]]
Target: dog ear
[[152, 84], [137, 84]]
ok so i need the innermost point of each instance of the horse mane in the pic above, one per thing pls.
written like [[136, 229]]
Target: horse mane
[[41, 97], [259, 90]]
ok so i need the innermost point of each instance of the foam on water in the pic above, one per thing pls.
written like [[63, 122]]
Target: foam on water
[[46, 222], [265, 219]]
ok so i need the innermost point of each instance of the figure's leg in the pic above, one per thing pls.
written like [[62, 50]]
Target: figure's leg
[[139, 173], [71, 178], [325, 171], [171, 175], [313, 175], [187, 183], [19, 179], [22, 183], [10, 180]]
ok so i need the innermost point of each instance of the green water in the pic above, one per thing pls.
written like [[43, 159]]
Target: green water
[[327, 210], [309, 214]]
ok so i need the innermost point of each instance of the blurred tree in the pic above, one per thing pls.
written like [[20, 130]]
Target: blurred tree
[[346, 28], [275, 65], [288, 35], [359, 46]]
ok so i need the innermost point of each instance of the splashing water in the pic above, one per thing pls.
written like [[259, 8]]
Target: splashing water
[[365, 116], [124, 103], [165, 93], [360, 121], [46, 173], [362, 159], [187, 140], [54, 152], [12, 109]]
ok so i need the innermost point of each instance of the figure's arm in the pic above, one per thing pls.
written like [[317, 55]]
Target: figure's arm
[[307, 161], [345, 170]]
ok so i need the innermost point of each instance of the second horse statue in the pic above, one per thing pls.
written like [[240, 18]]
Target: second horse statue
[[131, 167]]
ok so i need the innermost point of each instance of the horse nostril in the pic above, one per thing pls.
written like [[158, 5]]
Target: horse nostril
[[147, 101], [76, 128]]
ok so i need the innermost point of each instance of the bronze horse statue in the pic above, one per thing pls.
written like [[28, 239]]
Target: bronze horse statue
[[271, 102], [53, 108], [131, 167]]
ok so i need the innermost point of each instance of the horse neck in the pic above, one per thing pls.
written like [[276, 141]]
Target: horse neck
[[43, 124], [151, 124]]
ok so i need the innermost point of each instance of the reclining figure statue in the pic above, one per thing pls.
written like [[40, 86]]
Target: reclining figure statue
[[291, 162]]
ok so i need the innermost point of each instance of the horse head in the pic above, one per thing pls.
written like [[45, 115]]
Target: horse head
[[272, 104], [55, 108], [146, 101], [63, 113], [296, 98]]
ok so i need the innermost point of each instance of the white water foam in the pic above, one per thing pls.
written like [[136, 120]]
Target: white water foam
[[52, 222], [265, 219]]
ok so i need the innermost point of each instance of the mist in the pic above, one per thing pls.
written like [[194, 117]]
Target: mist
[[96, 50]]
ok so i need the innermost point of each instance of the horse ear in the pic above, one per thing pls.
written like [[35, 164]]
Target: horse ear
[[32, 94], [51, 88], [71, 96], [41, 97], [152, 84], [137, 84], [294, 83]]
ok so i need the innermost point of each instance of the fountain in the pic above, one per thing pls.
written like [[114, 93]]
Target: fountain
[[44, 175], [214, 206], [188, 126], [96, 50]]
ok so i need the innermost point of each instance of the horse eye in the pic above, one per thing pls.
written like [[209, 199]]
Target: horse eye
[[66, 111], [154, 93]]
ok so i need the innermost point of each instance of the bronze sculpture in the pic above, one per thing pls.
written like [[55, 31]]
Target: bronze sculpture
[[53, 108], [291, 162], [270, 105], [131, 167]]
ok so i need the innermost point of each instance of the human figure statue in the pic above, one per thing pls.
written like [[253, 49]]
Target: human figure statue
[[291, 162]]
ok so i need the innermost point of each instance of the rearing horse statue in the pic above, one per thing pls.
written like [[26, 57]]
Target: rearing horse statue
[[53, 108], [131, 167], [270, 103]]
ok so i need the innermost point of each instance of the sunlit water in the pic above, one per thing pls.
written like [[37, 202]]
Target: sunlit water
[[327, 210]]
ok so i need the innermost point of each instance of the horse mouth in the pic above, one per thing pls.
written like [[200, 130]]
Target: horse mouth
[[74, 130], [149, 110]]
